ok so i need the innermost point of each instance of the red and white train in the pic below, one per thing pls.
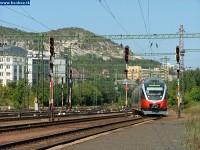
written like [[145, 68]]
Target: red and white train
[[150, 97]]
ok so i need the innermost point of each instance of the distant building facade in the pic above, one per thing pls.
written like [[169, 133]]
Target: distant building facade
[[134, 73], [17, 63], [137, 73], [12, 63]]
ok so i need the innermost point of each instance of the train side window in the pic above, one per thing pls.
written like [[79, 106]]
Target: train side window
[[142, 93], [166, 94]]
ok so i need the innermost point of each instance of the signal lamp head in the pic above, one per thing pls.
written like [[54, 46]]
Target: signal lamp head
[[51, 41], [177, 54], [126, 53]]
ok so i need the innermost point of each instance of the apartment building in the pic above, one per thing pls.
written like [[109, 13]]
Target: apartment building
[[17, 63]]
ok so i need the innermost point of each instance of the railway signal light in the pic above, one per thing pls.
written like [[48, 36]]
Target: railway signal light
[[51, 41], [126, 73], [178, 73], [177, 54], [51, 65], [70, 73], [126, 53]]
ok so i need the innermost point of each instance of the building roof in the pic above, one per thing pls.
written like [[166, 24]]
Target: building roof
[[12, 50]]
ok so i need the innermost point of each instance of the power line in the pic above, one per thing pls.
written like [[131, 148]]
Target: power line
[[36, 20], [110, 12], [26, 12], [148, 18], [143, 17], [17, 25], [108, 7], [145, 24], [28, 16]]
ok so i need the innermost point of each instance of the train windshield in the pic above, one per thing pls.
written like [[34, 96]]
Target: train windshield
[[155, 91]]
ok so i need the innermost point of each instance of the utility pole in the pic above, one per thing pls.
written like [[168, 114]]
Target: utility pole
[[41, 48], [182, 53], [26, 85], [55, 84], [181, 46], [68, 78], [70, 89], [62, 92]]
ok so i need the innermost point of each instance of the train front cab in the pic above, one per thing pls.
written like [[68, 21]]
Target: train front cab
[[148, 107], [157, 105], [154, 110]]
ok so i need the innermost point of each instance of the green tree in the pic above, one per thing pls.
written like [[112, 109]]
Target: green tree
[[195, 94], [43, 96], [86, 94], [18, 95], [172, 92], [5, 95], [188, 81]]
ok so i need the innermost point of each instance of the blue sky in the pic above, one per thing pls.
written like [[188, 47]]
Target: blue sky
[[105, 17]]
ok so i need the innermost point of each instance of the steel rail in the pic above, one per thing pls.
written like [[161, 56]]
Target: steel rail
[[45, 124], [15, 116], [93, 131]]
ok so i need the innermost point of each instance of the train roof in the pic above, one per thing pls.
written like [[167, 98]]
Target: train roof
[[153, 80]]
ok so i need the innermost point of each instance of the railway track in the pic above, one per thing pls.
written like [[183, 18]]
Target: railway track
[[30, 115], [58, 138], [26, 126]]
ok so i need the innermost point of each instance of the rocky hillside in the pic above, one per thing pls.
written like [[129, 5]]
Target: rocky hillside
[[104, 48]]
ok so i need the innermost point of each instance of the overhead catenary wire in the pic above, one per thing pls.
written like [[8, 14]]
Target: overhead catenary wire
[[35, 19], [148, 18], [9, 23], [143, 17], [28, 16], [150, 43], [107, 8], [110, 12]]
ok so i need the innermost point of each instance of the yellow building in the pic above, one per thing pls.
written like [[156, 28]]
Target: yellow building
[[137, 73], [134, 73]]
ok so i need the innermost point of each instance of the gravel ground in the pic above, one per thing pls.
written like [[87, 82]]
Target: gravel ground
[[35, 132], [165, 134]]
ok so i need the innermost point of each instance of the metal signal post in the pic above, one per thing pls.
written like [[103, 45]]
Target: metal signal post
[[52, 54], [126, 73], [178, 81], [70, 89], [62, 93]]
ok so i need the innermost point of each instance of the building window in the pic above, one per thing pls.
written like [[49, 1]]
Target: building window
[[14, 59], [1, 81], [1, 59], [8, 80], [7, 66], [7, 73], [1, 73], [20, 72], [1, 66], [8, 59], [15, 72]]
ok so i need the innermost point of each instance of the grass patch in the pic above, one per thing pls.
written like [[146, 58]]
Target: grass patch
[[192, 124]]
